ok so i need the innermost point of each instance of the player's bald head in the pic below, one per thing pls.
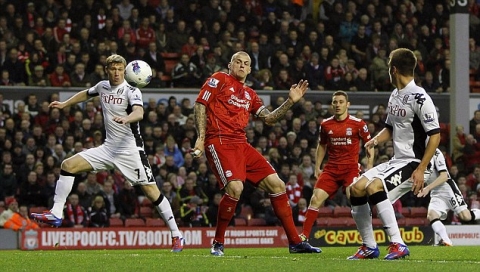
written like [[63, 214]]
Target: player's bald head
[[240, 54]]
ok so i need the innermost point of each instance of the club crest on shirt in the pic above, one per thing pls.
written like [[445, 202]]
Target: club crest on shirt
[[349, 132], [212, 82], [428, 117], [120, 91], [405, 99]]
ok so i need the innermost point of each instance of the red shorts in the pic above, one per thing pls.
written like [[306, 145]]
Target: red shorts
[[335, 176], [237, 162]]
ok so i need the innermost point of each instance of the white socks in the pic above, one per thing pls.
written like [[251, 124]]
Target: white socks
[[63, 188], [363, 218], [440, 229], [387, 215], [165, 211]]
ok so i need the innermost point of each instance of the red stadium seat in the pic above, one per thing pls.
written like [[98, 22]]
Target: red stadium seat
[[351, 222], [402, 222], [257, 222], [134, 222], [240, 221], [146, 203], [415, 222], [246, 212], [418, 212], [342, 212], [322, 221], [406, 211], [337, 222], [325, 212], [155, 222], [146, 211], [376, 222], [116, 222]]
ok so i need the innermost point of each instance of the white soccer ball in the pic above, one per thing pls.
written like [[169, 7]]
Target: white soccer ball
[[138, 73]]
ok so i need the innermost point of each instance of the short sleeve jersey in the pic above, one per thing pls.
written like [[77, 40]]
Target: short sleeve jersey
[[342, 139], [118, 101], [229, 104], [438, 165], [412, 117]]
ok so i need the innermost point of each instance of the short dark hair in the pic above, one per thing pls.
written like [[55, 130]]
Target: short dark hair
[[341, 93], [404, 61]]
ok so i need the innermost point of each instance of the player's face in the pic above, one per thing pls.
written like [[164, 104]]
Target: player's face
[[240, 67], [116, 73], [340, 105]]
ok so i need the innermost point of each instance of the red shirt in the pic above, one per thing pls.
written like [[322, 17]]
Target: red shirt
[[229, 104], [342, 139]]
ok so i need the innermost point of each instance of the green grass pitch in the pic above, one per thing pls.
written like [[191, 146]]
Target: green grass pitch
[[423, 258]]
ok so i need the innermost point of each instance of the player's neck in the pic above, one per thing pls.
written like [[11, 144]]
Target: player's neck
[[341, 117], [402, 82]]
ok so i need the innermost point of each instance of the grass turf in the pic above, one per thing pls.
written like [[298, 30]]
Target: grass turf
[[423, 258]]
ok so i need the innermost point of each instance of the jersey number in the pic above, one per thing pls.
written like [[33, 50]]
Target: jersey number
[[138, 173]]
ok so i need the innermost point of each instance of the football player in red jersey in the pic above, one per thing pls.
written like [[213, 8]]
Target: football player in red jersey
[[340, 136], [222, 111]]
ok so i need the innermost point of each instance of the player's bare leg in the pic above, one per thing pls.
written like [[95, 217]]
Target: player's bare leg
[[318, 198], [278, 196], [165, 210], [70, 167]]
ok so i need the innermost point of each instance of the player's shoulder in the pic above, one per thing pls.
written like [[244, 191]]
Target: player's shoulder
[[217, 79], [354, 119], [328, 120]]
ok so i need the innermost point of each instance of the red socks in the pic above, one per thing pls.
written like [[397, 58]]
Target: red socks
[[282, 209], [310, 218], [226, 211]]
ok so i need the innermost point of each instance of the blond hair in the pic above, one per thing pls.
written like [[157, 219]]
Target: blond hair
[[116, 59]]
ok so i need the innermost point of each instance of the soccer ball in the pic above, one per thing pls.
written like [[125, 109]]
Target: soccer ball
[[138, 73]]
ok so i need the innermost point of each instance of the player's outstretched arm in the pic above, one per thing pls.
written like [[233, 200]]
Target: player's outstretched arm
[[135, 116], [384, 135], [200, 113], [75, 99], [296, 92], [442, 178]]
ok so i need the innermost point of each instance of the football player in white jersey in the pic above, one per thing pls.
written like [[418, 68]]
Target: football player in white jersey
[[444, 196], [412, 124], [122, 108]]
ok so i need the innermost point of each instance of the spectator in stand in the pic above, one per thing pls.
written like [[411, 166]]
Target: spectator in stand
[[429, 83], [38, 78], [97, 213], [193, 213], [145, 34], [16, 218], [379, 70], [59, 78], [474, 121], [75, 216], [299, 212], [128, 206], [333, 74], [283, 81], [169, 192], [84, 198], [185, 73], [294, 190], [8, 181], [79, 77]]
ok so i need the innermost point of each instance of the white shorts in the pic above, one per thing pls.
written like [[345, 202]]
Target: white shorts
[[395, 176], [447, 197], [133, 162]]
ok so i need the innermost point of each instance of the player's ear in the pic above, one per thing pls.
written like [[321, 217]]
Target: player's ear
[[229, 65]]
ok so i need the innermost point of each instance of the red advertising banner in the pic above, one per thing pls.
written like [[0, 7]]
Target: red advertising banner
[[130, 238]]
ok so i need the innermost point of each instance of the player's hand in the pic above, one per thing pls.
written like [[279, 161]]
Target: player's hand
[[197, 151], [120, 120], [318, 172], [424, 192], [371, 144], [57, 104], [298, 90], [418, 180]]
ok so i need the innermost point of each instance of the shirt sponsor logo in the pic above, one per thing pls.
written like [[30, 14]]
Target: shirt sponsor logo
[[241, 103], [212, 82], [111, 99], [428, 117]]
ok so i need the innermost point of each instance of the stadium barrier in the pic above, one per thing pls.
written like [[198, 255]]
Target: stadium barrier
[[146, 237], [463, 235], [8, 239]]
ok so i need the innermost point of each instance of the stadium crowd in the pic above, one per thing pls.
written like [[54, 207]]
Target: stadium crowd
[[337, 45]]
